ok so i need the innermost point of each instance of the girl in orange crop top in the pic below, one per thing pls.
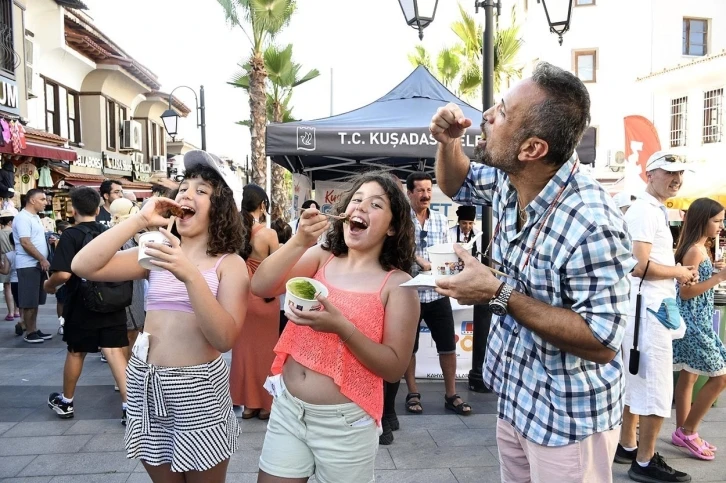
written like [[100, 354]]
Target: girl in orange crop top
[[333, 361], [179, 415]]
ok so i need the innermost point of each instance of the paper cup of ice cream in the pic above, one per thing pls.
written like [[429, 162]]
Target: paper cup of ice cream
[[145, 239], [444, 260], [301, 291]]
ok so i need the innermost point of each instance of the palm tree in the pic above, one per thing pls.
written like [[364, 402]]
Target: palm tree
[[283, 75], [261, 21], [459, 67]]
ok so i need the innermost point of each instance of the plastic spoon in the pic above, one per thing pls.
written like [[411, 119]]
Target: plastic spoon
[[470, 244]]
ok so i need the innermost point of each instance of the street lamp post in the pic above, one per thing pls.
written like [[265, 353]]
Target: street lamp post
[[171, 118], [562, 10]]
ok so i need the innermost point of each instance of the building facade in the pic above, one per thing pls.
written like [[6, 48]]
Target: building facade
[[663, 60], [85, 88]]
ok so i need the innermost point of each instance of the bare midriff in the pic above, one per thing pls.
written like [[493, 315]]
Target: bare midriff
[[175, 340], [310, 386]]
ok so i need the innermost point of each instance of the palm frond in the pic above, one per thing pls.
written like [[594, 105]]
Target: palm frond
[[448, 66], [420, 57]]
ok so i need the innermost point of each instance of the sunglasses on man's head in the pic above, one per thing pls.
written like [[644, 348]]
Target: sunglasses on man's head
[[669, 158]]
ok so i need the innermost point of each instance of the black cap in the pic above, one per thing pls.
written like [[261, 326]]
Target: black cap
[[466, 213]]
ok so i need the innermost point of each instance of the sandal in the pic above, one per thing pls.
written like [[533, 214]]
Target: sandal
[[263, 415], [414, 407], [249, 414], [462, 409], [688, 441]]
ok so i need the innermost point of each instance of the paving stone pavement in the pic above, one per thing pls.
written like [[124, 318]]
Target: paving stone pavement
[[436, 447]]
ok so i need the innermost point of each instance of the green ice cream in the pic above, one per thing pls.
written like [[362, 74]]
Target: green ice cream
[[303, 289]]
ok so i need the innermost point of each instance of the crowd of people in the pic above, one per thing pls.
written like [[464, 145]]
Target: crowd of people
[[592, 310]]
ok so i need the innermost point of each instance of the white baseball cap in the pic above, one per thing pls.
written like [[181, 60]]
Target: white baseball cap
[[197, 157], [623, 199], [667, 161]]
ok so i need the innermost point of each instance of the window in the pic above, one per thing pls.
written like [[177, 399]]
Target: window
[[586, 65], [678, 121], [29, 56], [52, 109], [162, 141], [74, 118], [713, 116], [154, 140], [122, 115], [695, 36], [7, 49], [111, 125], [582, 3]]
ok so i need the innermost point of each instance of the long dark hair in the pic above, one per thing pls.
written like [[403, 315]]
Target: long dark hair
[[398, 249], [252, 197], [695, 223], [226, 233]]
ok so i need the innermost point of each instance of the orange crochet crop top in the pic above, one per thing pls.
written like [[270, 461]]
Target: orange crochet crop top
[[325, 353]]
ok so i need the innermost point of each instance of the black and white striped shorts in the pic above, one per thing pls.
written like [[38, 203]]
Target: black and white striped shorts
[[180, 415]]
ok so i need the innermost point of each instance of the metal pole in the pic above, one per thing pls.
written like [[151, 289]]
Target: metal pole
[[482, 315], [202, 118]]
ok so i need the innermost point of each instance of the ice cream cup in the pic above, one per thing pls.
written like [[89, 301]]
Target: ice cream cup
[[444, 260], [145, 239], [300, 303]]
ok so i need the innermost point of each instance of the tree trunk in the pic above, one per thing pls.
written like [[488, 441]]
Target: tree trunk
[[280, 191], [258, 114]]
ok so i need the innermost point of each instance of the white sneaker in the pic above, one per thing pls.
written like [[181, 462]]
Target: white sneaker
[[115, 388]]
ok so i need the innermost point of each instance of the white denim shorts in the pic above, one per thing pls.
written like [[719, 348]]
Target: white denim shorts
[[337, 442]]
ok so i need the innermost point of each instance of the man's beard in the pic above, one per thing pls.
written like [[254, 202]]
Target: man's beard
[[508, 163]]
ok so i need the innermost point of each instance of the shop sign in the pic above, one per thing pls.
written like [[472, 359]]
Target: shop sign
[[9, 96], [88, 162], [142, 171], [117, 164]]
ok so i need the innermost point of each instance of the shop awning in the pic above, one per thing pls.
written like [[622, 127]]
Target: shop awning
[[36, 150], [141, 190]]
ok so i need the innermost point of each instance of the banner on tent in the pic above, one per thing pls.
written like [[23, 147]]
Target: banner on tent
[[301, 191], [427, 359], [297, 139]]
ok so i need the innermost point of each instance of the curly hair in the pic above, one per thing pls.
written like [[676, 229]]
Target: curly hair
[[226, 233], [398, 249]]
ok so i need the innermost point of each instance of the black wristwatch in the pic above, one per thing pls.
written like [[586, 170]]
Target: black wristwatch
[[498, 305]]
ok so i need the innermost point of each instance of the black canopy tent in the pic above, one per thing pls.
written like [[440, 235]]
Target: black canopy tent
[[390, 133]]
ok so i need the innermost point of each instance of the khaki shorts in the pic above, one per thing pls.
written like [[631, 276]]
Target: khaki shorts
[[337, 443]]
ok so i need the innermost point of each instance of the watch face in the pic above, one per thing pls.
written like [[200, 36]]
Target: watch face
[[497, 309]]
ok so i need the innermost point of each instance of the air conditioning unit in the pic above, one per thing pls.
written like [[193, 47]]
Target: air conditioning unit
[[131, 139], [158, 163], [618, 164], [139, 158]]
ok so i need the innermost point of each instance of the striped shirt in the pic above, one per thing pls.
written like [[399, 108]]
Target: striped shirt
[[436, 230], [579, 261]]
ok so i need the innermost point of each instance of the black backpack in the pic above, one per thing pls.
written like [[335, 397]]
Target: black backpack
[[103, 297]]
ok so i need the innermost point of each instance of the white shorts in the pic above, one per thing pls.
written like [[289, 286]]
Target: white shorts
[[650, 392], [338, 443]]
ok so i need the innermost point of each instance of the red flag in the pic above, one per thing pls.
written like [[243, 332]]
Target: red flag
[[641, 138]]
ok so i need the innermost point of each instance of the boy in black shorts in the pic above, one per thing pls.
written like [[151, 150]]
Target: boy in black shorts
[[84, 331]]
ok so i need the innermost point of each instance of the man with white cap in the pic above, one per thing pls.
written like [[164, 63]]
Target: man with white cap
[[649, 392]]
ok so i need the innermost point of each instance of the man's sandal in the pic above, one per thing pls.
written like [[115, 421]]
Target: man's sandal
[[462, 409], [414, 407]]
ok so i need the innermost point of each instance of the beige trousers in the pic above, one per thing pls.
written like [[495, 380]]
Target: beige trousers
[[586, 461]]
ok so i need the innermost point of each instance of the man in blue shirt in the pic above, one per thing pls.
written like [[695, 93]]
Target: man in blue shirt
[[559, 314], [32, 262]]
